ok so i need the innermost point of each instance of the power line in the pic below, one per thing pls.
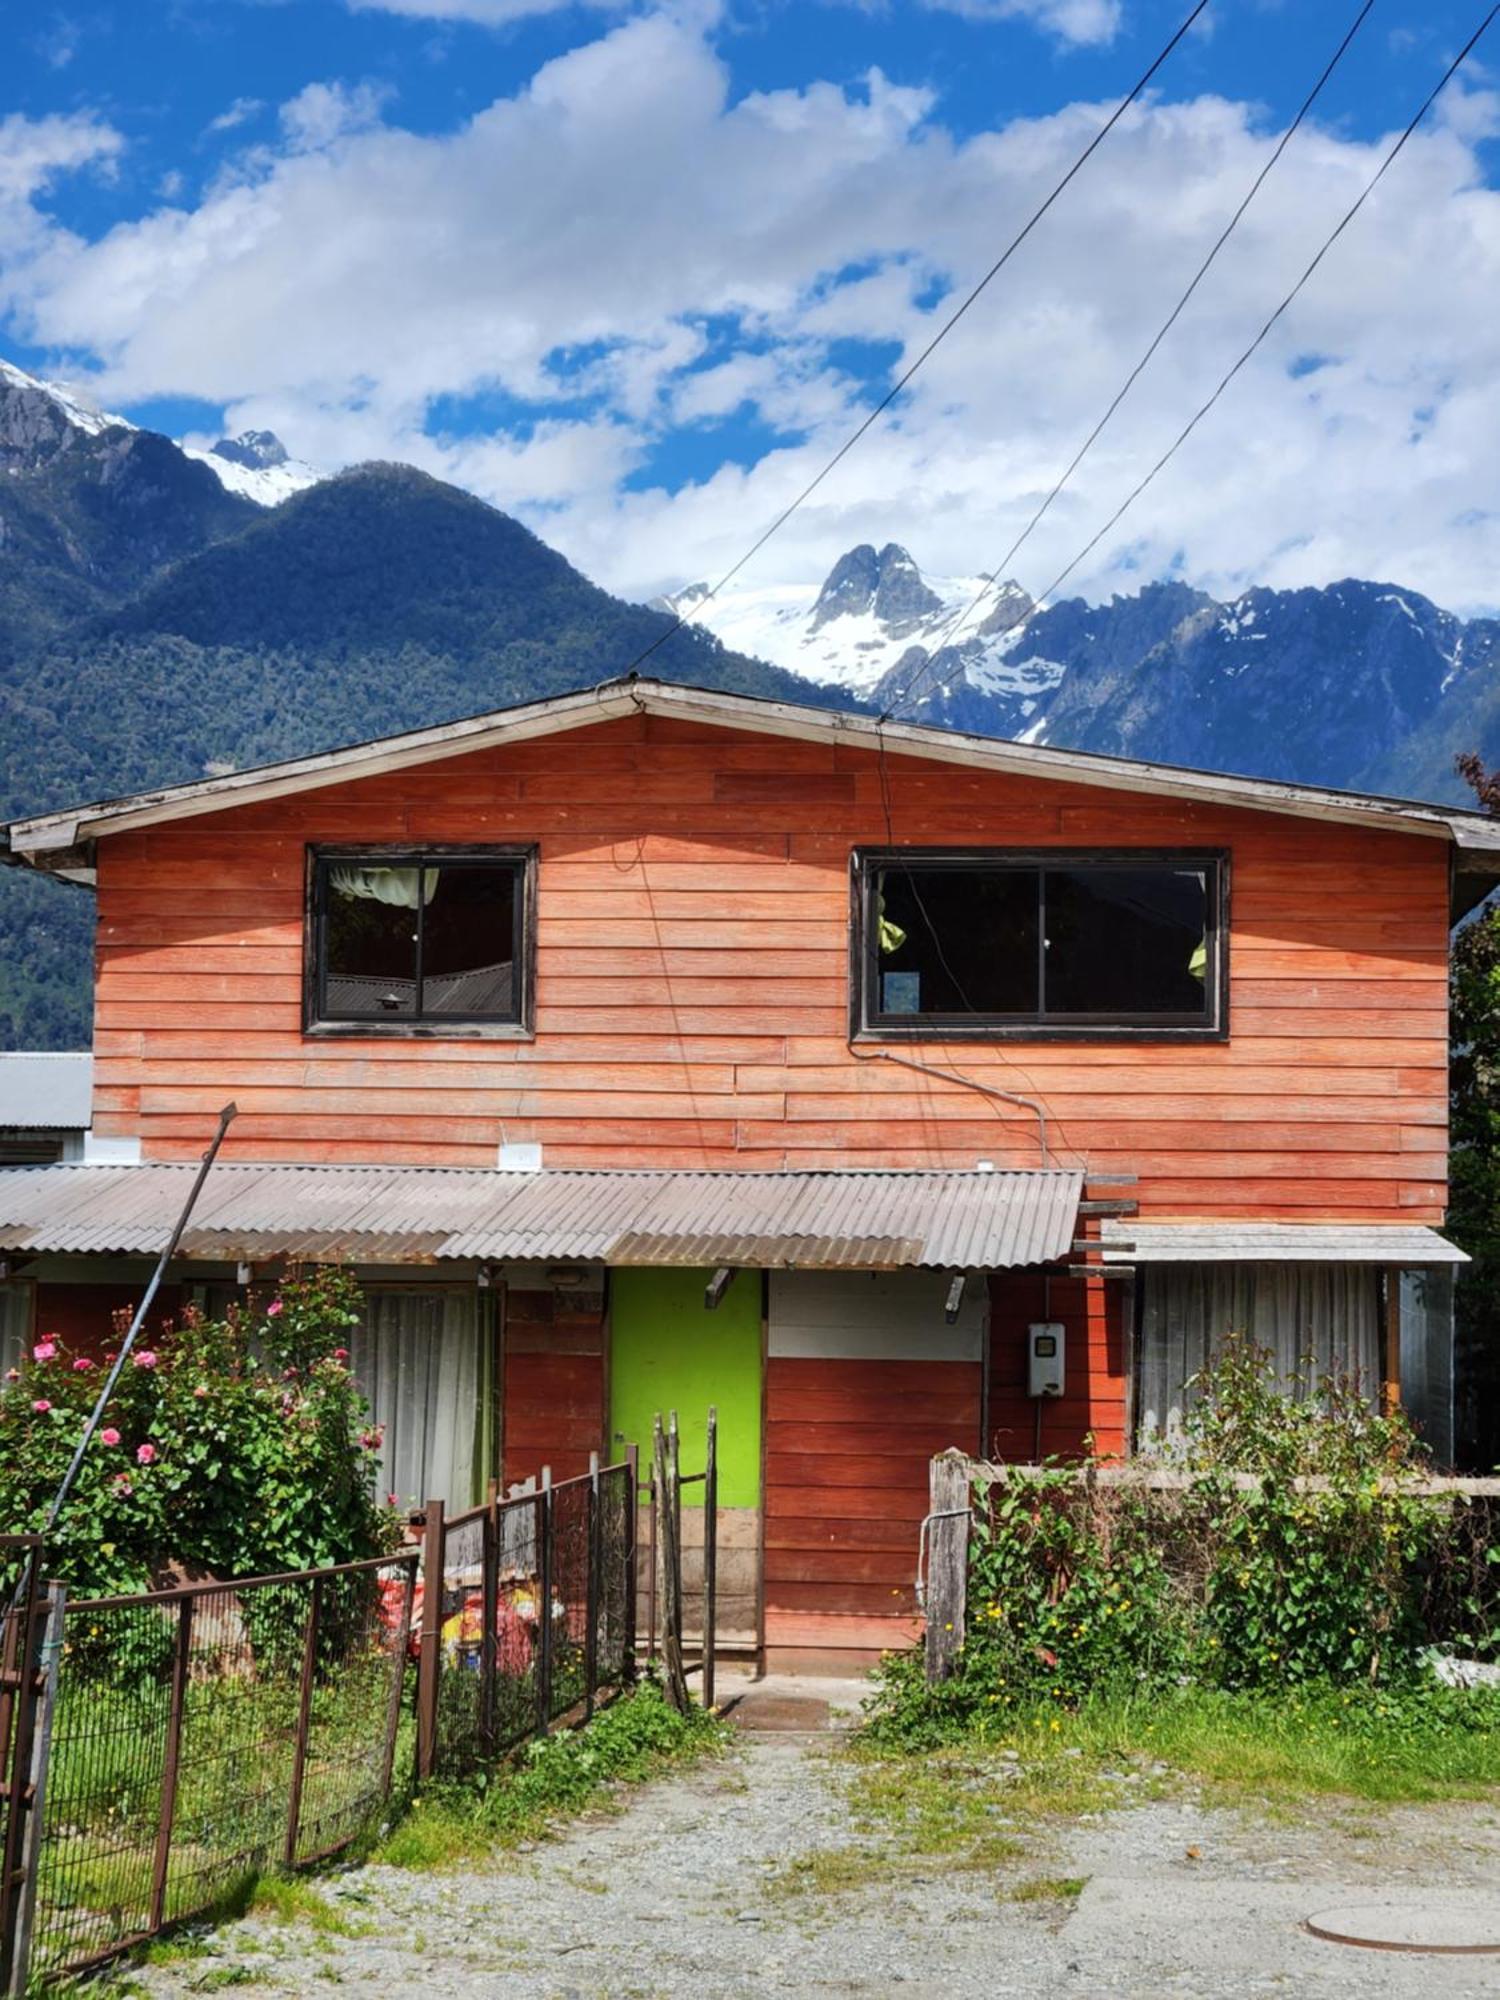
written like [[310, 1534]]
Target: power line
[[961, 615], [873, 416], [1255, 345]]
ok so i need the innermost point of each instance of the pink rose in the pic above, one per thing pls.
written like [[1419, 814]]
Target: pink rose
[[274, 1309], [145, 1359], [82, 1365], [341, 1354], [200, 1391], [145, 1454], [41, 1406], [110, 1436], [391, 1500], [44, 1350], [122, 1483]]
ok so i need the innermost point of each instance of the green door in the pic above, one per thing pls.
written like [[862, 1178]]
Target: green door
[[668, 1352]]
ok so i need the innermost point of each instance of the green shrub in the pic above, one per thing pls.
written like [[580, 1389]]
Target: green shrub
[[1320, 1573], [240, 1445]]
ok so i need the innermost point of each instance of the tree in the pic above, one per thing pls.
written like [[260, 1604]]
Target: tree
[[1474, 1122]]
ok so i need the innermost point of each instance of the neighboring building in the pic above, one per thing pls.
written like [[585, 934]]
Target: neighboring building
[[46, 1102], [543, 1019]]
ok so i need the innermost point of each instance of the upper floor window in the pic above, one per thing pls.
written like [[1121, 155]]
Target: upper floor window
[[426, 941], [1063, 943]]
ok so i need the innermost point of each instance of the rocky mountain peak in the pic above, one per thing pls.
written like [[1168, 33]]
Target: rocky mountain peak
[[256, 450], [886, 585]]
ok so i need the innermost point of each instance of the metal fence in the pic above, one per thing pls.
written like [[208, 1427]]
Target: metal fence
[[202, 1733], [535, 1616]]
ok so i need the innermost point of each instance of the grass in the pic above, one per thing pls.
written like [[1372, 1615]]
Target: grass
[[555, 1778], [1047, 1889]]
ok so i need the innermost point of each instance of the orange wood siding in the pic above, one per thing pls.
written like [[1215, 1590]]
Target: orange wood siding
[[1091, 1310], [552, 1392], [848, 1443], [692, 984]]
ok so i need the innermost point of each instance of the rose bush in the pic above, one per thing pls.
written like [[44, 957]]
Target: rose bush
[[241, 1446]]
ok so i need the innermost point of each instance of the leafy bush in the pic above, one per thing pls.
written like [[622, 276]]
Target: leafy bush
[[1318, 1571], [241, 1446]]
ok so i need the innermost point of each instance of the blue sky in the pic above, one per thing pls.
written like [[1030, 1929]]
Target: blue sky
[[631, 271]]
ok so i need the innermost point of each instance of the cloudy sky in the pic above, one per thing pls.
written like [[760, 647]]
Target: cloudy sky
[[631, 272]]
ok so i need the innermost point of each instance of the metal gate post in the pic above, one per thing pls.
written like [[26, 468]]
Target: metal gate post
[[47, 1655], [17, 1701], [489, 1611], [181, 1661], [591, 1596], [544, 1607], [710, 1554], [632, 1553], [429, 1658], [304, 1722]]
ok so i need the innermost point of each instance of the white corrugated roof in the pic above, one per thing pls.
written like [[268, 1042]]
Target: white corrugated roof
[[45, 1092], [808, 1221], [1276, 1243]]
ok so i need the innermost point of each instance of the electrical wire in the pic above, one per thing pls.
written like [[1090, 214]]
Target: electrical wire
[[874, 415], [1255, 347], [961, 615]]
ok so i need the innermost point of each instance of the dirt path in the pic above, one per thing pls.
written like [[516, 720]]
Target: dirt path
[[684, 1894]]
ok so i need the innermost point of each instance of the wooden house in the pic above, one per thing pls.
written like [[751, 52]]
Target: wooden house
[[653, 1047]]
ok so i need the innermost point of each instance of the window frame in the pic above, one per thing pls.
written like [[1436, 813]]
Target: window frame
[[867, 1024], [518, 1025]]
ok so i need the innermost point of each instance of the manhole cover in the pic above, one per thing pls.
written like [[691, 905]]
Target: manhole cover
[[1443, 1922]]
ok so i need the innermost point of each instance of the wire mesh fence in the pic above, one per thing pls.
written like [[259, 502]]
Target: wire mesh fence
[[535, 1617], [200, 1734]]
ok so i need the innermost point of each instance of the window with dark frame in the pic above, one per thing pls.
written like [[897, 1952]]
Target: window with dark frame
[[419, 940], [1061, 943]]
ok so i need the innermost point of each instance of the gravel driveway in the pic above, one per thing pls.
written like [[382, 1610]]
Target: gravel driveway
[[683, 1893]]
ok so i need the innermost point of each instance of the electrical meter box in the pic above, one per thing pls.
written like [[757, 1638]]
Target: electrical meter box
[[1044, 1360]]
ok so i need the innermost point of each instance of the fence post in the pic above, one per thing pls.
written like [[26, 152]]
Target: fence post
[[632, 1554], [47, 1655], [947, 1526], [591, 1598], [398, 1678], [181, 1661], [671, 1571], [304, 1721], [544, 1607], [489, 1611], [17, 1700], [429, 1658], [710, 1554]]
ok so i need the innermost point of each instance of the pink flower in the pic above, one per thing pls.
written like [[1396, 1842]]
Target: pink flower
[[145, 1454], [341, 1354], [200, 1391], [391, 1500], [44, 1350], [274, 1309], [122, 1483], [145, 1359], [82, 1365], [12, 1374], [110, 1436], [41, 1406], [372, 1440]]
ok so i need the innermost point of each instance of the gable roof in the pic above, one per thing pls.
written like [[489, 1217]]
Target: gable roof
[[61, 841]]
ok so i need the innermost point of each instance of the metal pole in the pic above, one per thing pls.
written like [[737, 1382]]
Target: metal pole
[[181, 1660], [226, 1118], [544, 1608], [591, 1613], [710, 1554], [48, 1655], [429, 1658], [632, 1554], [304, 1721], [19, 1703], [489, 1608]]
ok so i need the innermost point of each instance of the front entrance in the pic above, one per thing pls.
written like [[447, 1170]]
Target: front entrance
[[669, 1352]]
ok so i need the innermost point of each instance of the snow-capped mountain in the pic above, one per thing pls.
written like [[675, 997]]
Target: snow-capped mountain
[[882, 630], [258, 465], [42, 416]]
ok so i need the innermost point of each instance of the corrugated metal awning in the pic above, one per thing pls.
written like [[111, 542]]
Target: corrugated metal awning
[[862, 1221], [46, 1092], [1276, 1243]]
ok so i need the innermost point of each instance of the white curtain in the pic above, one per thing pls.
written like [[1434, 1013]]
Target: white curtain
[[403, 888], [1315, 1319], [417, 1359], [15, 1323]]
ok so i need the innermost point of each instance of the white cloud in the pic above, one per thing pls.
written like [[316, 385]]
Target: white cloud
[[485, 13], [239, 113], [1081, 21], [623, 252]]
